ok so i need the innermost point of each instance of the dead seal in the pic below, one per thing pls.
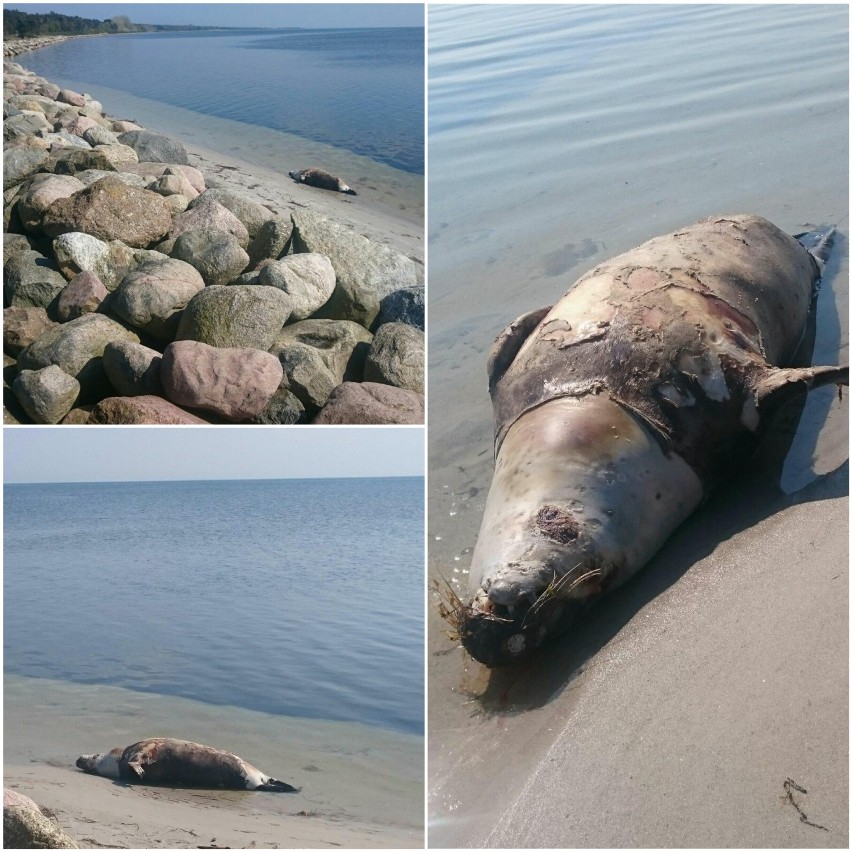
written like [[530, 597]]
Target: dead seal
[[620, 408], [324, 180], [162, 760]]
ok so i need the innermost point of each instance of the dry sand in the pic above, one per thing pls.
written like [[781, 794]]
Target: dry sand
[[360, 787]]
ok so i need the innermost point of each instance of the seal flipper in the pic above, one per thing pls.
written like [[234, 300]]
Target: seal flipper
[[509, 341], [272, 785], [778, 384], [818, 243]]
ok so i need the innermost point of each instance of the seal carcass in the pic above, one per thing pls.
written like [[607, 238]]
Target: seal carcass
[[162, 760], [618, 409], [324, 180]]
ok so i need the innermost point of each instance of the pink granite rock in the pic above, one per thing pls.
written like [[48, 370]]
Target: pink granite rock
[[235, 383], [80, 125], [369, 402], [21, 326], [68, 96], [83, 295], [140, 410]]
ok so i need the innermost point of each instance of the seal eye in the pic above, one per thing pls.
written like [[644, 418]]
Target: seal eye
[[557, 524]]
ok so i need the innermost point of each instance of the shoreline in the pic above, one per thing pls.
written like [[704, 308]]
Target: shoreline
[[360, 787], [302, 278]]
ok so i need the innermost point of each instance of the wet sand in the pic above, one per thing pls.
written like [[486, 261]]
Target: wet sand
[[360, 787]]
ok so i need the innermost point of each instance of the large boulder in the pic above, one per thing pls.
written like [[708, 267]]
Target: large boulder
[[307, 279], [237, 316], [151, 171], [133, 369], [406, 306], [341, 345], [69, 96], [47, 395], [140, 410], [152, 296], [271, 240], [154, 147], [77, 347], [83, 295], [21, 162], [250, 213], [284, 409], [217, 256], [367, 402], [21, 326], [26, 827], [366, 271], [118, 156], [306, 375], [111, 210], [397, 357], [30, 280], [235, 383], [71, 160], [207, 215], [40, 192]]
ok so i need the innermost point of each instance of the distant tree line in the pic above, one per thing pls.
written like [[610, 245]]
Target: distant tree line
[[25, 25]]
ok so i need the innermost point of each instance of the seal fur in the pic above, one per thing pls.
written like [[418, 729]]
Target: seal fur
[[162, 760], [618, 409], [321, 179]]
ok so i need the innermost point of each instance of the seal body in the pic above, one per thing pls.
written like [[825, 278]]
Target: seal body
[[162, 760], [324, 180], [619, 408]]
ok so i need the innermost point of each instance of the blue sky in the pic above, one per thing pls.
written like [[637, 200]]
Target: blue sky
[[320, 15], [96, 454]]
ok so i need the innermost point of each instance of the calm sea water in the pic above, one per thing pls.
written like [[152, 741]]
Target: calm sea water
[[291, 597], [357, 89]]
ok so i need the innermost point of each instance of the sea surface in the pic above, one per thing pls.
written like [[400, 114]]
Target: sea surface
[[296, 598], [360, 90]]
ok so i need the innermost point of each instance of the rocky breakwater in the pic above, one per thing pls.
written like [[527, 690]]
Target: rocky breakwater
[[17, 46], [135, 292]]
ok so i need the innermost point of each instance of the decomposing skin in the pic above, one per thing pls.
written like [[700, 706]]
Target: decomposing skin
[[620, 408], [324, 180], [180, 763]]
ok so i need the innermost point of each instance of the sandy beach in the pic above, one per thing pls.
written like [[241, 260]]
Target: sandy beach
[[360, 787]]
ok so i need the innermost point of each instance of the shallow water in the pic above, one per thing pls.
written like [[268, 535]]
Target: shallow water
[[328, 86], [290, 597]]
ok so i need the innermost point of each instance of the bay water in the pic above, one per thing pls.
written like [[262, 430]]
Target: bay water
[[290, 598]]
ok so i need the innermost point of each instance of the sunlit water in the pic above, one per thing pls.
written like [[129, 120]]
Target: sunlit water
[[290, 597], [356, 89]]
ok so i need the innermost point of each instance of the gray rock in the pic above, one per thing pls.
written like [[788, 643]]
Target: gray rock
[[64, 139], [83, 295], [236, 383], [110, 210], [19, 163], [406, 306], [236, 316], [46, 395], [368, 403], [30, 280], [306, 375], [154, 148], [307, 279], [15, 243], [366, 271], [90, 176], [140, 410], [97, 135], [70, 161], [22, 326], [118, 156], [152, 171], [26, 827], [77, 348], [284, 409], [152, 296], [342, 345], [173, 185], [216, 255], [250, 213], [397, 357], [20, 126], [271, 240], [133, 369]]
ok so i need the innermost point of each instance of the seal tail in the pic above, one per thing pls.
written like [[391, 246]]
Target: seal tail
[[272, 785]]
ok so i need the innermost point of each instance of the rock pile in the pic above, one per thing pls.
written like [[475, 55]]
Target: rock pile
[[133, 293]]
